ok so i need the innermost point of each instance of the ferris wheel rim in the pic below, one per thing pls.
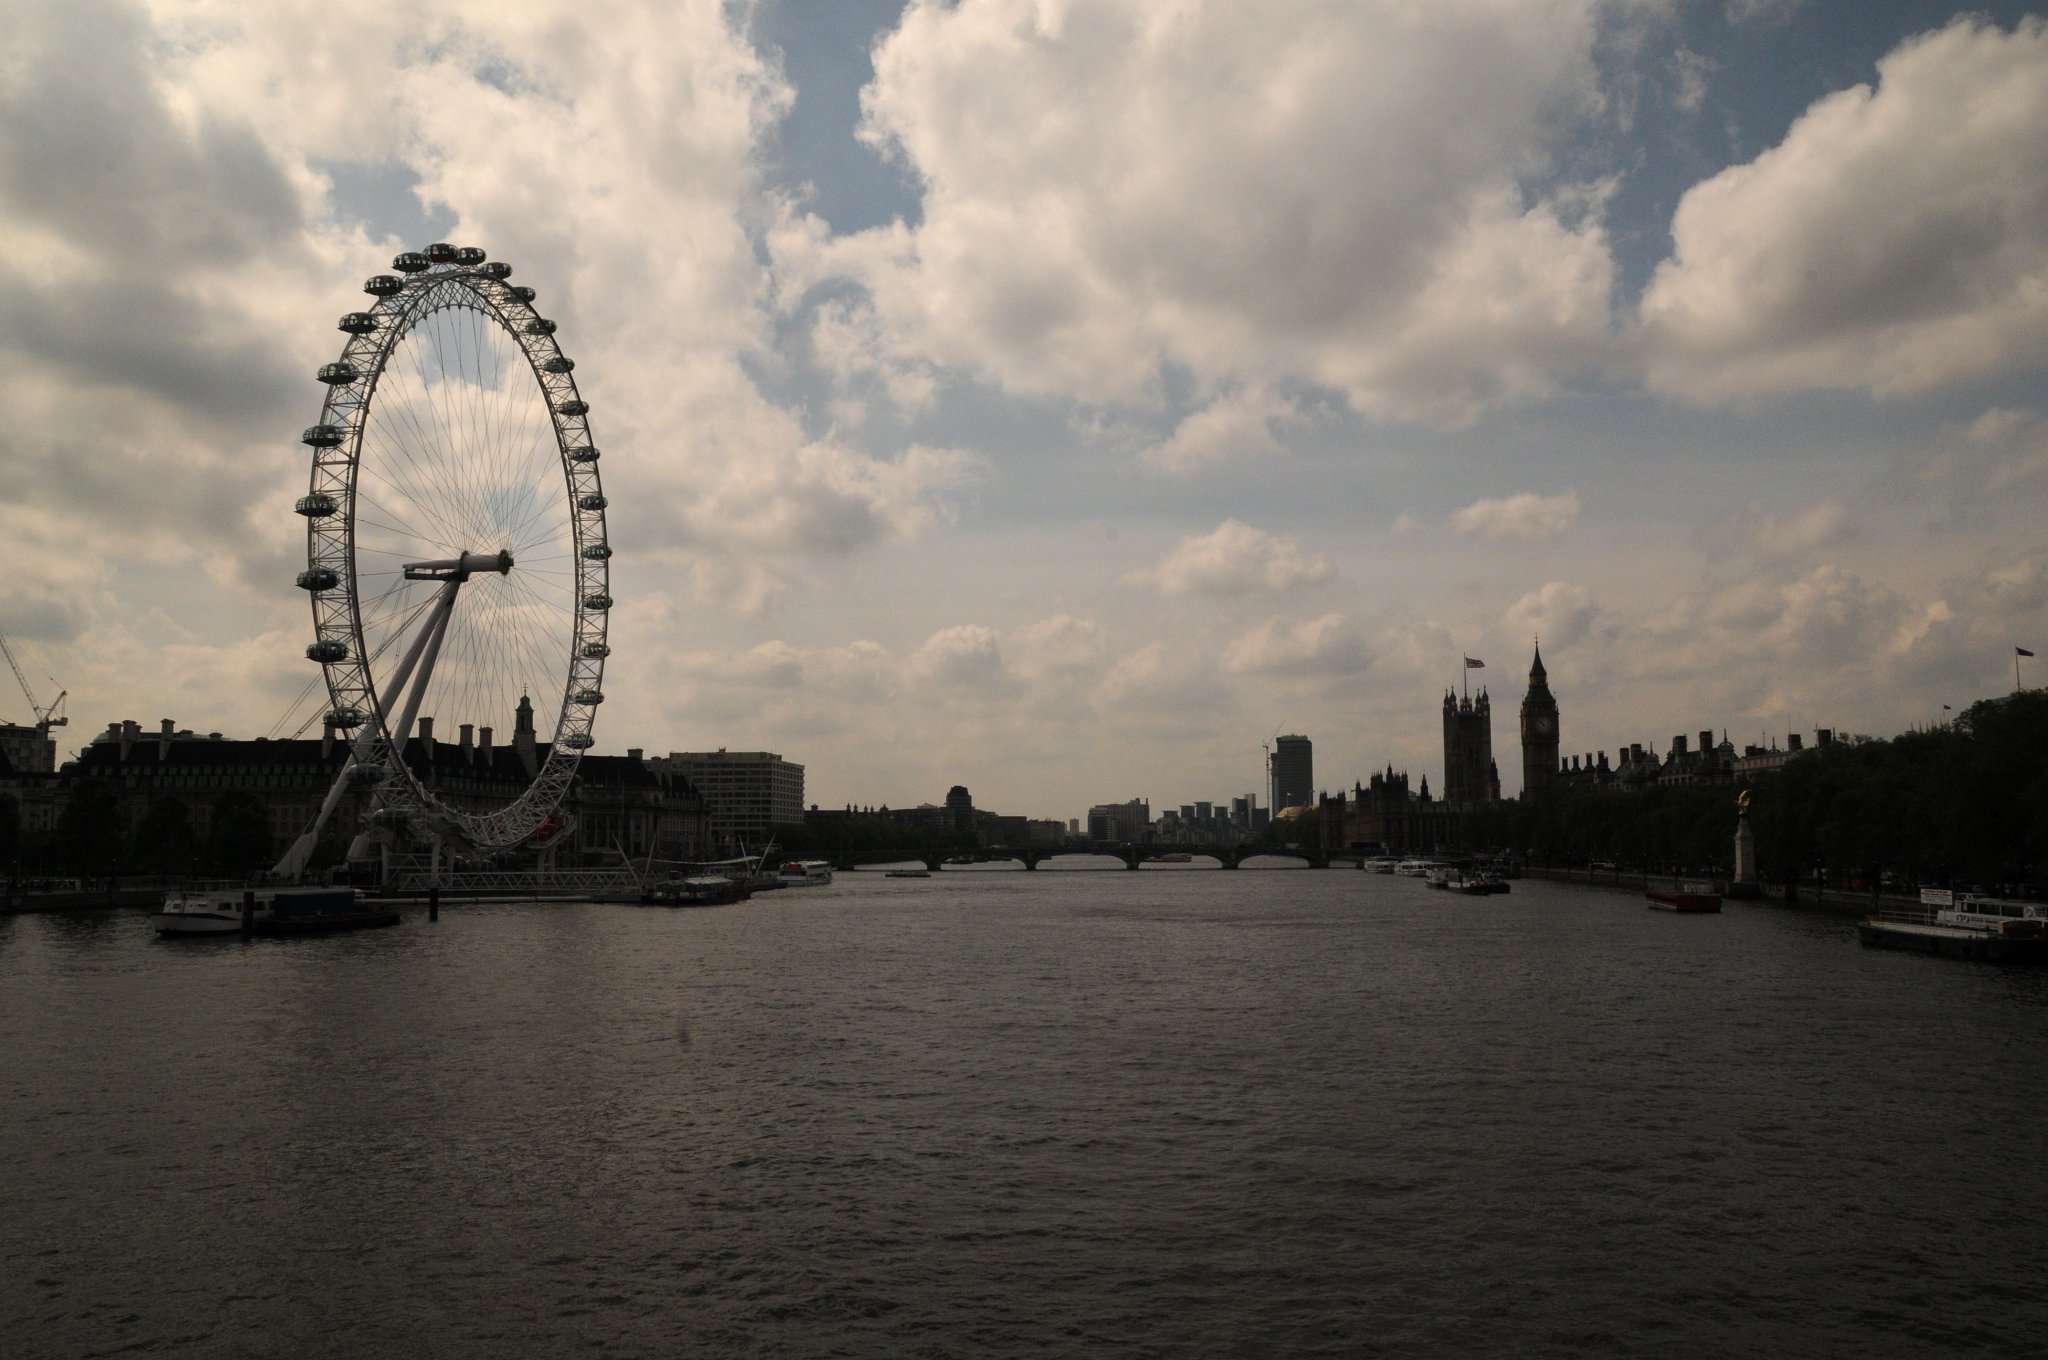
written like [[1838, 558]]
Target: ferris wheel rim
[[438, 280]]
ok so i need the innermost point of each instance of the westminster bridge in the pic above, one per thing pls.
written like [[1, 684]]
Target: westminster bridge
[[1030, 857]]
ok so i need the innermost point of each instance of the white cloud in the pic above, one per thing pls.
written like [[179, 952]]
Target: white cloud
[[1762, 11], [1237, 426], [1691, 74], [1895, 241], [1560, 612], [1759, 530], [1526, 516], [1328, 191], [1996, 463], [1236, 559], [1313, 647]]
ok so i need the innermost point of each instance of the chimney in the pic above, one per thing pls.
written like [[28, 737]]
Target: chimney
[[634, 753], [131, 732], [1793, 742], [483, 743], [468, 731], [1678, 745], [427, 736], [1706, 742], [163, 740], [1823, 736]]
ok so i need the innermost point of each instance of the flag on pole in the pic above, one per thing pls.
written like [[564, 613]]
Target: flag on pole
[[1946, 709], [1471, 663], [2021, 650]]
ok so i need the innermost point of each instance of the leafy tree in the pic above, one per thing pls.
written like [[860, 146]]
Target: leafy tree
[[10, 831], [88, 840], [238, 841], [163, 839]]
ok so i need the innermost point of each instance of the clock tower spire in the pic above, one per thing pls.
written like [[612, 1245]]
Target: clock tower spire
[[1539, 732]]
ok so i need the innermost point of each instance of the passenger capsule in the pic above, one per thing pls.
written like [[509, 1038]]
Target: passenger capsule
[[497, 269], [598, 601], [579, 741], [441, 253], [594, 501], [583, 454], [358, 323], [335, 374], [577, 407], [523, 293], [323, 436], [327, 650], [561, 363], [411, 262], [468, 255], [384, 285], [317, 579], [598, 552], [593, 697], [319, 505], [344, 719], [540, 325], [597, 650]]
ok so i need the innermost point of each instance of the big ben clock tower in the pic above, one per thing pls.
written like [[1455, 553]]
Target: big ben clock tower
[[1539, 732]]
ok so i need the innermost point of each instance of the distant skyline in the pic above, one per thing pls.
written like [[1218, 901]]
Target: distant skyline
[[1061, 397]]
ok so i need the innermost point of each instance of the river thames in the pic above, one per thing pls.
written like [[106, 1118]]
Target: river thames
[[1164, 1113]]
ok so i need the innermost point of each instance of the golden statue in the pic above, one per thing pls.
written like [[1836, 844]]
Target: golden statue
[[1742, 803]]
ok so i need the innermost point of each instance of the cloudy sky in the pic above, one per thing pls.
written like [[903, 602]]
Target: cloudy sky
[[1060, 397]]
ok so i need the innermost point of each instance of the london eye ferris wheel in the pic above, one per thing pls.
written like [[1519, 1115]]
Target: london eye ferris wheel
[[456, 551]]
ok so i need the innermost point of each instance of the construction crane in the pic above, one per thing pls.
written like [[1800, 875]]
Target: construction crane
[[46, 718]]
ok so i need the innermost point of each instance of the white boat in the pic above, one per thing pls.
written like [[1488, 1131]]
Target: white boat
[[1381, 864], [1964, 926], [278, 909], [806, 873], [208, 911]]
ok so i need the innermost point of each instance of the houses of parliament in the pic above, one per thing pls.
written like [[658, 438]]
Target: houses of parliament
[[1386, 811]]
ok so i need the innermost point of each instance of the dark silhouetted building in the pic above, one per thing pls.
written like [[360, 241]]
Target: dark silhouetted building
[[1469, 773], [1294, 772], [1539, 733]]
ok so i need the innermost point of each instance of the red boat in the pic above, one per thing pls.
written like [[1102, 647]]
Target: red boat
[[1683, 897]]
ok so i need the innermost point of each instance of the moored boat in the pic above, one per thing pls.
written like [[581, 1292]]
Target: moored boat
[[701, 890], [1683, 896], [1963, 926], [272, 910], [806, 873], [209, 911]]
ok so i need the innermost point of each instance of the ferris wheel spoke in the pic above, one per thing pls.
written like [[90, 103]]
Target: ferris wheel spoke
[[447, 535], [434, 459]]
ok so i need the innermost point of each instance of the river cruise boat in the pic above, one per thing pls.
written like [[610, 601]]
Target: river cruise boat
[[1683, 896], [700, 890], [273, 910], [806, 873], [1963, 926]]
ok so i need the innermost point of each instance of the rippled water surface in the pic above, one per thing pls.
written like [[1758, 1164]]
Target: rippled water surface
[[1115, 1114]]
